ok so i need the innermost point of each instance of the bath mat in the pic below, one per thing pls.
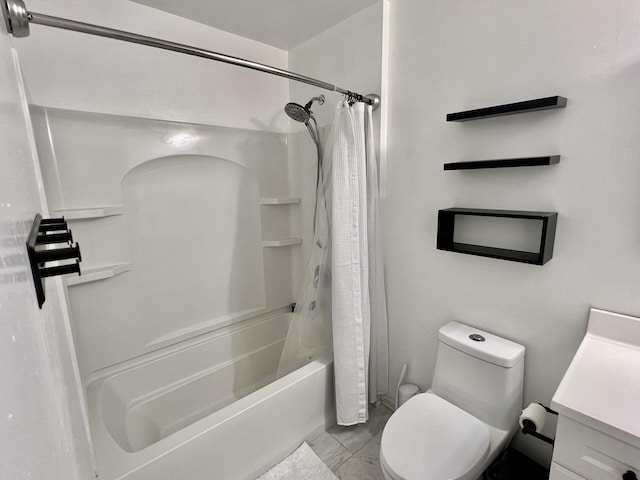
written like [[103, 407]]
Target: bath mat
[[301, 464]]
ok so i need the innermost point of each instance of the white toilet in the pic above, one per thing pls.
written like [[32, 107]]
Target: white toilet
[[457, 428]]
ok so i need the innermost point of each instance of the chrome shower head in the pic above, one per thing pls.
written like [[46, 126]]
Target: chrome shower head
[[299, 113]]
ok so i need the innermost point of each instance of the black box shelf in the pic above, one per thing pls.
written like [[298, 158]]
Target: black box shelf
[[446, 227], [504, 163], [509, 109]]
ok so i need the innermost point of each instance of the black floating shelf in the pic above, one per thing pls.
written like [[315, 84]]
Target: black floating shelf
[[446, 226], [504, 163], [509, 109]]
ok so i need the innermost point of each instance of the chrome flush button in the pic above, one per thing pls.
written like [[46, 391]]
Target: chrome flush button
[[476, 337]]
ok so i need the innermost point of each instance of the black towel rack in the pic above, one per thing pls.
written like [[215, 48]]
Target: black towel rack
[[50, 232]]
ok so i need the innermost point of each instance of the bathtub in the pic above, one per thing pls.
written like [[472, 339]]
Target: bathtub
[[208, 409]]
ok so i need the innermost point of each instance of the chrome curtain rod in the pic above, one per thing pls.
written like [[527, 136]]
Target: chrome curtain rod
[[18, 18]]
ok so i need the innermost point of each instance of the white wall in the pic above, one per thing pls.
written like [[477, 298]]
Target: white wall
[[80, 72], [347, 55], [457, 55], [42, 434]]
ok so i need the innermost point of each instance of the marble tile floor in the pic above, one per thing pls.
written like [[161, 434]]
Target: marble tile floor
[[352, 453]]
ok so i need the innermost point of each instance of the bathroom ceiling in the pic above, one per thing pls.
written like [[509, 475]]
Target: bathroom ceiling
[[281, 23]]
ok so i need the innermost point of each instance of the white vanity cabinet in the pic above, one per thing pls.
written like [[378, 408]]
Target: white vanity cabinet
[[591, 454], [598, 402]]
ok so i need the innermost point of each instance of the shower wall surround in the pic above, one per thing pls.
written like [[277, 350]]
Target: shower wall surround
[[169, 219], [143, 165]]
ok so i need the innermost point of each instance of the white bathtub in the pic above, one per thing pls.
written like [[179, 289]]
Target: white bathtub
[[208, 410]]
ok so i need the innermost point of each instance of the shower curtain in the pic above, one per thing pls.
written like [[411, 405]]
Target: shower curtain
[[343, 294], [359, 314], [309, 334]]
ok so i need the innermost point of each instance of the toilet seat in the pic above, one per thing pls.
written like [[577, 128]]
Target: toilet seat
[[430, 438]]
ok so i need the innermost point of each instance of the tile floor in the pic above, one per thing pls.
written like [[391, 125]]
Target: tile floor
[[352, 453]]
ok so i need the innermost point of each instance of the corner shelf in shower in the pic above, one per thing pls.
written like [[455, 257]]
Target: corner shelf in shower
[[279, 200], [282, 242], [509, 109], [504, 163], [89, 212], [98, 273]]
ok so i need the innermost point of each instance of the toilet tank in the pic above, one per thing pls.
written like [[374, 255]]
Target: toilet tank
[[480, 373]]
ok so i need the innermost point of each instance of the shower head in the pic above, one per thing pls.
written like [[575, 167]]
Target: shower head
[[299, 113]]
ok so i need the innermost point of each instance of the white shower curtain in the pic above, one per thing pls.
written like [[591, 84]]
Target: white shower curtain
[[359, 317]]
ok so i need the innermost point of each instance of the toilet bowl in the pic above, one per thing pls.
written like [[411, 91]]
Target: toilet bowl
[[457, 428]]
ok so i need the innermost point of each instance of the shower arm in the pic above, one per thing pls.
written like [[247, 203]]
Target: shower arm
[[17, 19]]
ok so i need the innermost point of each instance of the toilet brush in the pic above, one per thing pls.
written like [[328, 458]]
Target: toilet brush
[[403, 373]]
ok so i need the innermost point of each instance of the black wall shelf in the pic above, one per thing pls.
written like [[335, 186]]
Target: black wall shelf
[[509, 109], [504, 163], [446, 227]]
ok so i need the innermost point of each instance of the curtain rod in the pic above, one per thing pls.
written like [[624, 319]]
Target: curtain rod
[[18, 18]]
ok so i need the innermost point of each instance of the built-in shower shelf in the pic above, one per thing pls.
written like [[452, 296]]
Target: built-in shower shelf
[[282, 242], [89, 212], [98, 273], [279, 200], [508, 109]]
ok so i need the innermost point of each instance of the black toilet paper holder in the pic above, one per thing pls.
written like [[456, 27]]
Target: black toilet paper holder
[[49, 232], [529, 428]]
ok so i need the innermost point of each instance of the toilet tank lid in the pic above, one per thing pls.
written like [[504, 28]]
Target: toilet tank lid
[[493, 349]]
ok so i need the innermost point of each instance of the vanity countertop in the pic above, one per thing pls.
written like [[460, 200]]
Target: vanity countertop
[[601, 388]]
